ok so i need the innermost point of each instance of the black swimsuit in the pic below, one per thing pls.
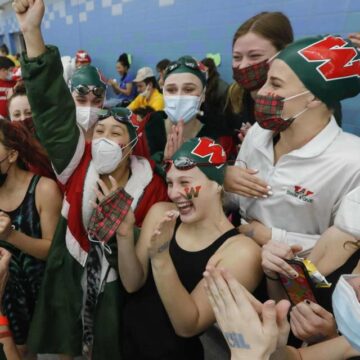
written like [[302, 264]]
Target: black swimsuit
[[148, 330]]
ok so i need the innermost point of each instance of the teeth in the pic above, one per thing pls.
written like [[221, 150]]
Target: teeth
[[183, 205]]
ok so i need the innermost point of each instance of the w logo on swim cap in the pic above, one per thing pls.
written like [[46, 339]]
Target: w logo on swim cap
[[338, 59], [208, 148]]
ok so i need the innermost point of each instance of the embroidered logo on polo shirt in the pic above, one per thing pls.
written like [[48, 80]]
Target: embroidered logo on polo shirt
[[301, 193]]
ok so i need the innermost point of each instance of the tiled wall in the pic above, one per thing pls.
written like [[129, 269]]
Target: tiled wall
[[153, 29]]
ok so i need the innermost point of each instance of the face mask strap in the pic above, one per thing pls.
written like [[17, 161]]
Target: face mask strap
[[102, 244], [296, 115], [135, 140], [273, 57], [295, 96]]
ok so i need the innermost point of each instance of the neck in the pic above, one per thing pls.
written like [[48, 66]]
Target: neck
[[120, 174], [301, 131], [191, 128], [215, 222], [15, 178]]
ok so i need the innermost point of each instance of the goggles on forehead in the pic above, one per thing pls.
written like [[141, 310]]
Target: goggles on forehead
[[84, 90], [194, 65], [185, 163], [105, 113]]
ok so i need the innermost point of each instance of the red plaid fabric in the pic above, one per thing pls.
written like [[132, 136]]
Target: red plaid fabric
[[108, 215], [268, 109], [252, 77]]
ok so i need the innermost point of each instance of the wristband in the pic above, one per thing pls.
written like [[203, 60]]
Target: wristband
[[5, 334], [4, 321], [278, 235]]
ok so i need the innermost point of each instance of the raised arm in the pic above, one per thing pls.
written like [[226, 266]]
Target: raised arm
[[52, 106], [191, 313]]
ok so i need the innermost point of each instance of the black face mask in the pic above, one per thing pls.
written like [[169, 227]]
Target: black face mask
[[3, 177]]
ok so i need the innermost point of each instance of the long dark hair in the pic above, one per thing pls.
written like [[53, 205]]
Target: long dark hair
[[212, 82], [17, 137]]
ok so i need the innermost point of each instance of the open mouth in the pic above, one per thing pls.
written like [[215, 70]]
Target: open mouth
[[184, 207]]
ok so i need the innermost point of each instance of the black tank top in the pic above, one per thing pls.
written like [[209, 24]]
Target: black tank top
[[148, 330], [26, 272]]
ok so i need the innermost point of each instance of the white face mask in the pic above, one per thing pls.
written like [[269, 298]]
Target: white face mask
[[107, 154], [346, 309], [182, 107], [86, 116]]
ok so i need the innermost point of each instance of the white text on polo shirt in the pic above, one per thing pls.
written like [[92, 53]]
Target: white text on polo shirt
[[301, 193]]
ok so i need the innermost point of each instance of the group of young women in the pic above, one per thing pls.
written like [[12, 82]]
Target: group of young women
[[141, 255]]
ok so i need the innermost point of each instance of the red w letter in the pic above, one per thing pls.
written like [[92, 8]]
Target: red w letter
[[338, 60], [207, 147]]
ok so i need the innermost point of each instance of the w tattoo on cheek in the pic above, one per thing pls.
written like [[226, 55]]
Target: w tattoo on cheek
[[192, 192], [236, 340]]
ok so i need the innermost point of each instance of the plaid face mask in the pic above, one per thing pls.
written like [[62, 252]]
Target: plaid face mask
[[108, 215], [268, 110], [252, 77]]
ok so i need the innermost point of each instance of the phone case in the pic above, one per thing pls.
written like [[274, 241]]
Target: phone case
[[302, 287]]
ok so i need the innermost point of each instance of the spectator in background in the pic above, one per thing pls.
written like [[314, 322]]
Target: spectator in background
[[125, 90], [148, 89], [6, 83], [160, 68], [20, 112], [215, 98], [82, 58], [4, 51]]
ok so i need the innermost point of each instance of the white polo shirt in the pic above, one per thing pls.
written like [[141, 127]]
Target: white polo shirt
[[308, 184], [348, 216]]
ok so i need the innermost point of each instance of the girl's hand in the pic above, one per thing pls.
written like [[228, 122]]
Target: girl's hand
[[160, 240]]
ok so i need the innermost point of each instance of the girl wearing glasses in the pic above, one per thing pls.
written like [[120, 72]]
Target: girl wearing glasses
[[81, 294], [168, 307]]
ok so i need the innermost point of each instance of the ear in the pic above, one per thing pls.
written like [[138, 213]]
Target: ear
[[314, 102], [13, 156]]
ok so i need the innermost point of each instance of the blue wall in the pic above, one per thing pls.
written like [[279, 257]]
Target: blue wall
[[153, 29]]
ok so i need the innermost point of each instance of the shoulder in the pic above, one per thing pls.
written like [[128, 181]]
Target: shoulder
[[160, 207], [156, 212], [47, 186], [47, 189], [239, 248], [129, 77], [158, 94], [346, 148]]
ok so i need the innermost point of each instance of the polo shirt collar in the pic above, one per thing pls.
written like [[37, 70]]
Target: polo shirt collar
[[264, 142]]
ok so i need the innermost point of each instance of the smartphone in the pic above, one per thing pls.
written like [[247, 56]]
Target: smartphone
[[301, 288]]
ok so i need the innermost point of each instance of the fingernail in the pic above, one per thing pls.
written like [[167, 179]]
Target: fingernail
[[265, 196], [255, 197], [270, 193], [268, 187], [294, 275]]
